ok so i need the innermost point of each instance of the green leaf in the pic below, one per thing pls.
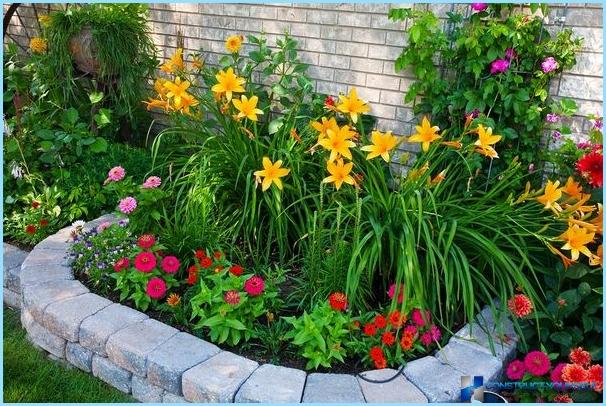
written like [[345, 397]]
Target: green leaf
[[46, 145], [562, 338], [70, 116], [100, 145], [45, 134], [103, 117], [275, 125], [237, 324], [95, 97], [12, 145]]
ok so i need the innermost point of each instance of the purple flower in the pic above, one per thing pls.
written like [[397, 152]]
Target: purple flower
[[479, 6], [549, 64], [510, 54], [499, 66], [531, 168], [474, 114], [598, 123], [122, 223], [556, 135], [584, 145], [552, 118]]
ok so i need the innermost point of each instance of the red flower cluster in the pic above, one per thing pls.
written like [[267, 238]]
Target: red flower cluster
[[377, 355], [31, 229], [35, 204], [43, 223], [338, 301], [590, 168], [146, 241], [520, 306], [192, 275], [121, 264]]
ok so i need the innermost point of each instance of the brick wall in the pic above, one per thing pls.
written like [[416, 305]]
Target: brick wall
[[355, 45]]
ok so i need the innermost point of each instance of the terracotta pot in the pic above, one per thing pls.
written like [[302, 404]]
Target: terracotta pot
[[83, 51]]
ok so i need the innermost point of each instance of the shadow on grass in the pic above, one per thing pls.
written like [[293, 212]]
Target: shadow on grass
[[29, 376]]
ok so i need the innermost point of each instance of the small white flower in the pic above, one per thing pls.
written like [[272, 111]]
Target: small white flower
[[16, 170], [78, 223]]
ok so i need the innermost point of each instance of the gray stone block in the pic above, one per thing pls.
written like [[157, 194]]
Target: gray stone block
[[96, 329], [41, 258], [477, 337], [40, 336], [13, 256], [44, 274], [166, 364], [332, 388], [36, 297], [112, 374], [398, 390], [64, 318], [470, 361], [12, 273], [79, 356], [129, 347], [438, 382], [218, 379], [145, 392], [172, 398], [58, 242], [272, 384], [12, 299], [110, 217]]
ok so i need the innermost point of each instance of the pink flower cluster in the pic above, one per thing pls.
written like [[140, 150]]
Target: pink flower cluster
[[152, 182], [536, 363], [499, 66], [116, 174], [549, 65], [127, 205]]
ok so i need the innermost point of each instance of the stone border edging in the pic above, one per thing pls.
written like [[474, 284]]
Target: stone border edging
[[158, 363]]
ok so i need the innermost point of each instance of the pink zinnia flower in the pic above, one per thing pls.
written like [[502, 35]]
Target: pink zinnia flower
[[426, 339], [156, 288], [127, 205], [254, 286], [232, 297], [479, 6], [410, 329], [516, 370], [392, 291], [435, 333], [537, 363], [146, 241], [145, 261], [549, 65], [121, 264], [103, 226], [170, 264], [499, 66], [152, 182], [419, 319], [116, 173]]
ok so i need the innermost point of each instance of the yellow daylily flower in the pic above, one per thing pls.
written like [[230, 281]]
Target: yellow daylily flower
[[551, 195], [565, 260], [415, 174], [598, 258], [338, 142], [597, 221], [174, 63], [426, 134], [247, 107], [159, 87], [382, 143], [187, 101], [352, 105], [157, 103], [229, 83], [325, 125], [234, 43], [271, 173], [339, 173], [485, 142], [177, 90], [573, 189], [38, 45], [197, 63], [576, 239], [439, 177], [453, 144]]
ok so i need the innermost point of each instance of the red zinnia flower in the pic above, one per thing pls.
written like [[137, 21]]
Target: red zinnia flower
[[145, 261], [380, 321], [218, 254], [43, 223], [236, 270], [396, 319], [376, 353], [356, 324], [329, 101], [121, 264], [338, 301], [388, 338], [200, 254], [590, 167], [380, 363], [580, 356], [595, 375], [254, 286], [192, 278], [520, 305], [370, 329], [170, 264], [407, 341], [562, 398], [537, 363], [31, 229], [419, 318], [206, 262], [232, 297], [146, 241], [35, 204], [156, 288], [574, 373], [516, 370]]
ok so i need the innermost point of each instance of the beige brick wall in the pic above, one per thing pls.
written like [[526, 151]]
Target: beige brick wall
[[355, 45]]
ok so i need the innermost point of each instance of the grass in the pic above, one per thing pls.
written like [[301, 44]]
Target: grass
[[29, 376]]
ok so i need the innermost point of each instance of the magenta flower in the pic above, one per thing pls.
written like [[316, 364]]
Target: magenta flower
[[419, 318], [392, 292], [552, 118], [152, 182], [499, 66], [156, 288], [145, 262], [479, 6], [116, 173], [410, 329], [170, 264], [598, 123], [435, 333], [556, 135], [537, 363], [549, 65], [426, 339], [127, 205], [254, 286], [510, 54], [516, 370]]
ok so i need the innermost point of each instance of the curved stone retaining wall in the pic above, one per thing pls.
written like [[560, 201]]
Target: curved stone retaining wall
[[158, 363]]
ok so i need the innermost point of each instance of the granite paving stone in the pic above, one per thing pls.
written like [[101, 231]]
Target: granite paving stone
[[37, 297], [172, 398], [145, 392], [112, 374], [96, 329], [477, 337], [40, 258], [272, 384], [64, 317], [41, 337], [398, 390], [166, 364], [79, 356], [332, 388], [438, 382], [44, 274], [218, 379], [129, 347], [470, 361], [13, 256]]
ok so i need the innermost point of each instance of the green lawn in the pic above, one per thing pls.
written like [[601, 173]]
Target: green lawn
[[29, 376]]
